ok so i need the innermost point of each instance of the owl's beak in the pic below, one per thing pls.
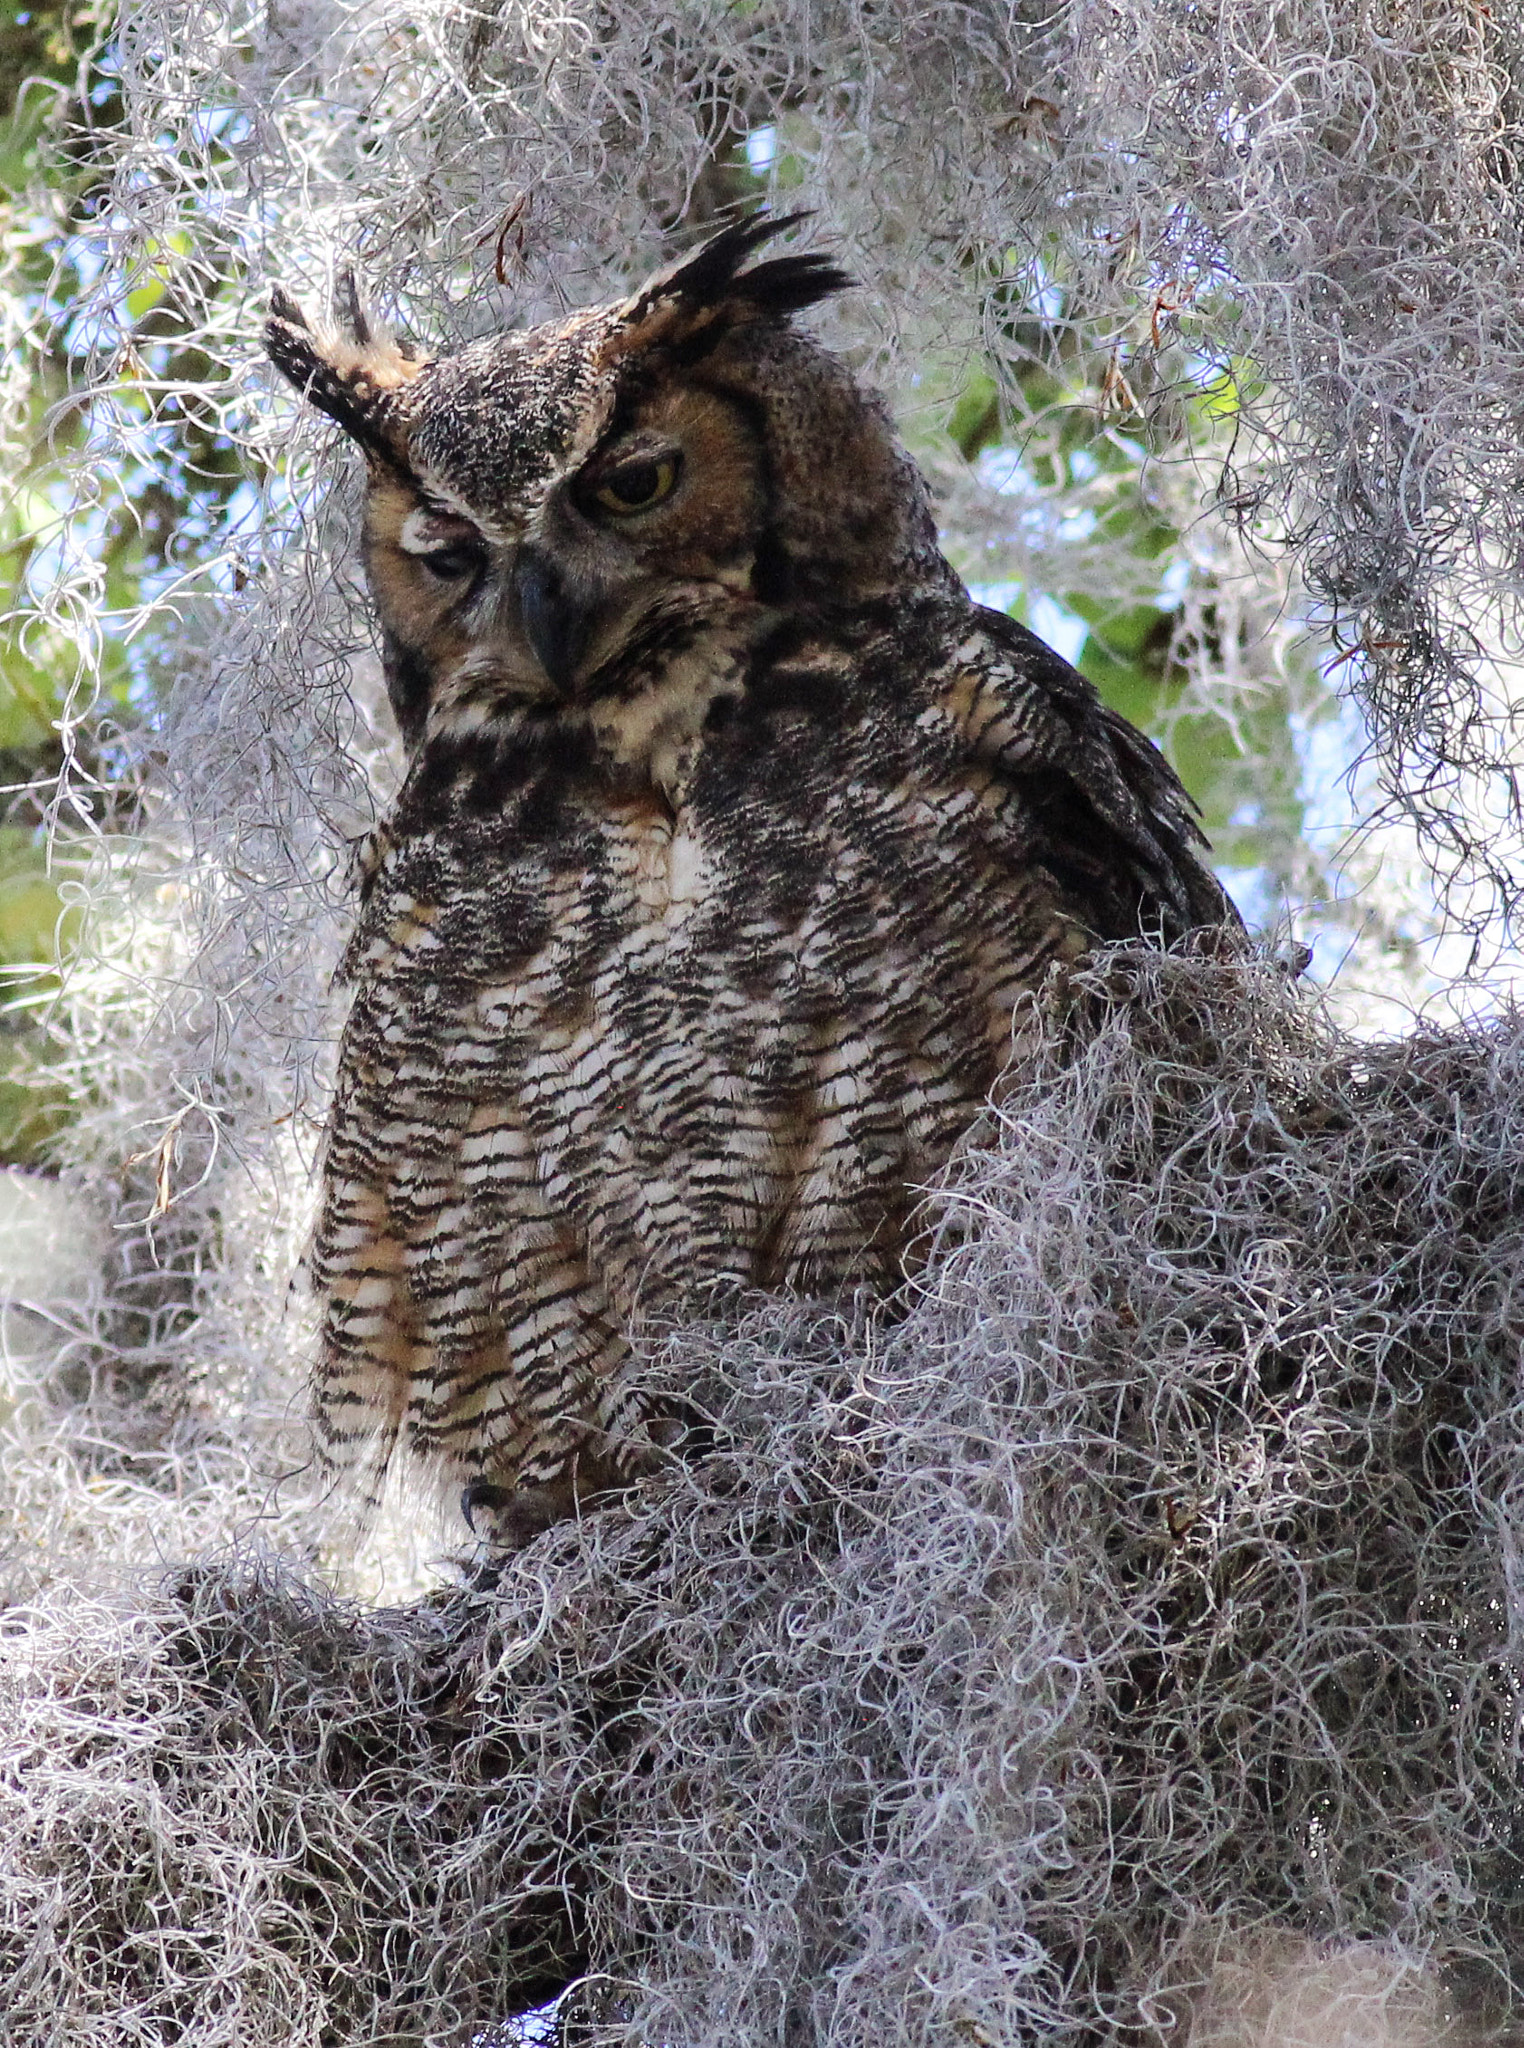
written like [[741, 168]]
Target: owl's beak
[[555, 620]]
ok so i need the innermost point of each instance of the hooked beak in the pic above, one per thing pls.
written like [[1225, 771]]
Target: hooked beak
[[556, 620]]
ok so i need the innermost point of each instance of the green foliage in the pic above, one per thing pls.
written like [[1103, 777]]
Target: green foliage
[[37, 932], [133, 482], [42, 42], [46, 187], [123, 475]]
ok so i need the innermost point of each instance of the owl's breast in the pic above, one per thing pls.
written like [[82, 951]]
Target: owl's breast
[[721, 1041], [661, 863]]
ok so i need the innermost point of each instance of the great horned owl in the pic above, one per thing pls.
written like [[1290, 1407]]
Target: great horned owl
[[732, 832]]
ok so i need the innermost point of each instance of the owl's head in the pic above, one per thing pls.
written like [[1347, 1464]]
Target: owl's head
[[557, 515]]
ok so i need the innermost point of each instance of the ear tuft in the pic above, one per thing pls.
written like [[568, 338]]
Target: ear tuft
[[790, 283], [350, 371], [285, 309], [349, 313], [695, 300]]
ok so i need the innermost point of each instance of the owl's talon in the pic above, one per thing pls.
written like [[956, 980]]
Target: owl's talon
[[518, 1513], [482, 1493]]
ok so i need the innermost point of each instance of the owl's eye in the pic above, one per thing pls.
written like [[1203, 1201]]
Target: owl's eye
[[460, 558], [637, 486]]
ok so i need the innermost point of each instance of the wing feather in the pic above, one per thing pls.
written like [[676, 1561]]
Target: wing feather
[[1113, 824]]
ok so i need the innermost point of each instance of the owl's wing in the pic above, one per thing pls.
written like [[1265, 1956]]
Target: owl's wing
[[1111, 821]]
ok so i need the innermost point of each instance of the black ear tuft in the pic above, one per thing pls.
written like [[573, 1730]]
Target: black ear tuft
[[349, 381], [790, 283], [712, 277], [292, 347], [285, 309], [349, 309]]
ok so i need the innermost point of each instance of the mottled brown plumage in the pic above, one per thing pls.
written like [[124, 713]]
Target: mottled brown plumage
[[732, 833]]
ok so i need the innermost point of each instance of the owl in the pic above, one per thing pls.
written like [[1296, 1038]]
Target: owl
[[732, 834]]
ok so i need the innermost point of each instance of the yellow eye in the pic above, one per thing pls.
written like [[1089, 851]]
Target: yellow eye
[[637, 486]]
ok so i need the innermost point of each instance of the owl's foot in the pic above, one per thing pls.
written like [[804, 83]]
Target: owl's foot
[[510, 1517]]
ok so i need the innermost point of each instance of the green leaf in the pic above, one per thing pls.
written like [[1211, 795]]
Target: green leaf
[[35, 928], [974, 422]]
